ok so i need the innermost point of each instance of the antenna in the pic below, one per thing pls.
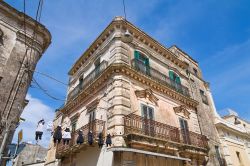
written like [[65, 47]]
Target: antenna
[[124, 10], [127, 37]]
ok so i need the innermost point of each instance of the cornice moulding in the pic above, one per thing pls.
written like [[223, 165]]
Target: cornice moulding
[[127, 71]]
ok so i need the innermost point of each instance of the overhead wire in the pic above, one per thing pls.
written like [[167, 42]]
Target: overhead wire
[[46, 91]]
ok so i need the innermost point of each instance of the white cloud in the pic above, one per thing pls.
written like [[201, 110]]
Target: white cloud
[[33, 112]]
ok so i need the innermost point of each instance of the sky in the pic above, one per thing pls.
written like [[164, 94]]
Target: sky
[[215, 33]]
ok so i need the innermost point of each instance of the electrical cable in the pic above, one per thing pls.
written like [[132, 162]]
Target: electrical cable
[[45, 91]]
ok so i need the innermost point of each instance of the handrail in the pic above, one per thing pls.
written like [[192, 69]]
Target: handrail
[[88, 79], [95, 126], [135, 124], [160, 77]]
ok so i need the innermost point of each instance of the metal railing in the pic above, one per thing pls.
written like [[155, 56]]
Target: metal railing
[[160, 77], [135, 124], [88, 79], [194, 139], [95, 126]]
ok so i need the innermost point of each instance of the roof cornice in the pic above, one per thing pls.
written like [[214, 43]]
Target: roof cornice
[[121, 23]]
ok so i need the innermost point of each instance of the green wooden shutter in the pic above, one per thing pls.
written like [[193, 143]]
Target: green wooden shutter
[[147, 62], [137, 55], [147, 66], [178, 80], [171, 75]]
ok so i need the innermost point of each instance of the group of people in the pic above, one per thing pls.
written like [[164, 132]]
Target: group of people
[[66, 137]]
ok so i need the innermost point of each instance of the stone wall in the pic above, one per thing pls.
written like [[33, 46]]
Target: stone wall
[[19, 55]]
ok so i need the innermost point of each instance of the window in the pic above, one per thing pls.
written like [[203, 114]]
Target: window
[[74, 122], [73, 126], [81, 82], [184, 131], [91, 116], [91, 119], [147, 112], [148, 115], [175, 81], [195, 71], [97, 67], [218, 156], [141, 62], [174, 77], [1, 37], [238, 156], [203, 97]]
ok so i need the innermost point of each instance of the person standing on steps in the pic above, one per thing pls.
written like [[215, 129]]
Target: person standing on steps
[[66, 136], [100, 140], [80, 138], [90, 137], [108, 140], [57, 136], [39, 130]]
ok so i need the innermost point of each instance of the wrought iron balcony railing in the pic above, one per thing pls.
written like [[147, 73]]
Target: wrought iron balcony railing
[[95, 126], [160, 77], [137, 125], [134, 124], [88, 79]]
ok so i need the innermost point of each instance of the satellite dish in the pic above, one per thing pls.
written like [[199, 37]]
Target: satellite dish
[[127, 37]]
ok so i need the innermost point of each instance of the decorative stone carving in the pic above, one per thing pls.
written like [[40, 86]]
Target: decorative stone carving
[[182, 110], [147, 93]]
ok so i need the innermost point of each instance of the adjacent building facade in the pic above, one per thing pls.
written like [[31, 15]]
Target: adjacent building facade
[[21, 45], [151, 99], [30, 155], [234, 135]]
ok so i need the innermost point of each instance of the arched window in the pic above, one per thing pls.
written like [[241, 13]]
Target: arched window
[[141, 62]]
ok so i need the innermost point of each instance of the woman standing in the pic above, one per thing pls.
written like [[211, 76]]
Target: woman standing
[[66, 136]]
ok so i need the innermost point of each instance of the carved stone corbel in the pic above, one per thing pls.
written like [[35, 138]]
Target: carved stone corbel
[[182, 110], [147, 93]]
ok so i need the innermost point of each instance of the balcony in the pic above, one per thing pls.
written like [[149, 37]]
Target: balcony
[[160, 77], [88, 79], [153, 130], [96, 127]]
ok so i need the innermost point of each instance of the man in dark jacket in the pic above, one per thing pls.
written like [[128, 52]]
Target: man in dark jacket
[[90, 138], [80, 138], [57, 136]]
